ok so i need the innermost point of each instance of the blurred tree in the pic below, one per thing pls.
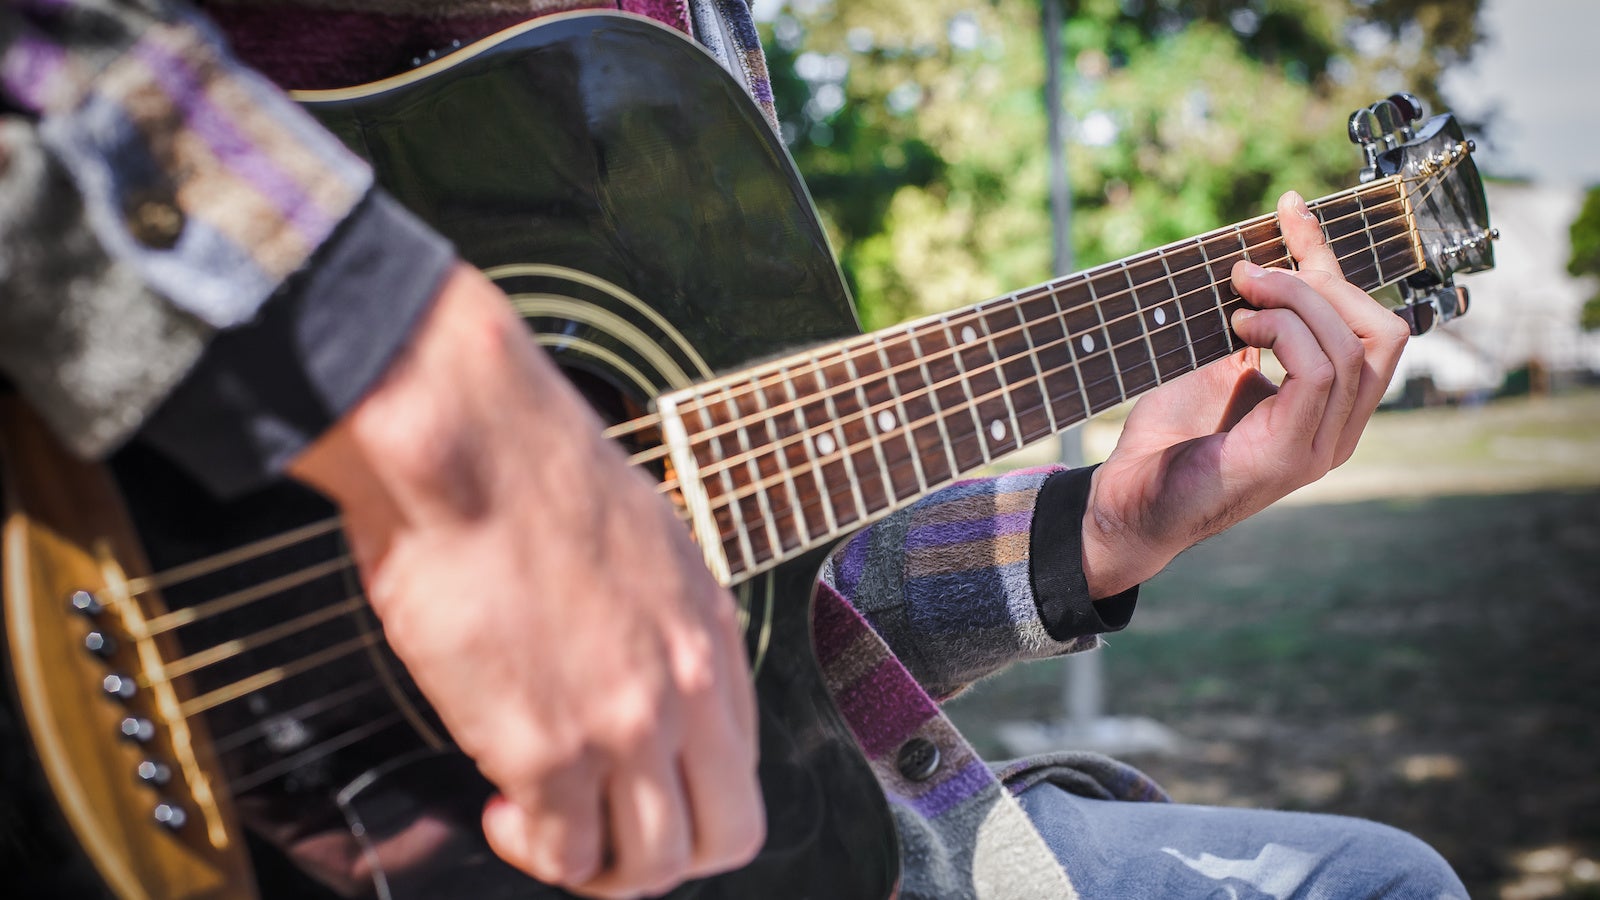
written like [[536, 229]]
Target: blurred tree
[[1586, 253], [919, 124]]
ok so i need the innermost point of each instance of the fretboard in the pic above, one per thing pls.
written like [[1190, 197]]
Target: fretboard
[[782, 457]]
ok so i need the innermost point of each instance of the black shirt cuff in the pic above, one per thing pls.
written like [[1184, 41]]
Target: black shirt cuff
[[264, 391], [1055, 563]]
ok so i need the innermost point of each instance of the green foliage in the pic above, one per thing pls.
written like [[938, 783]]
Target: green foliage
[[920, 124], [1586, 253]]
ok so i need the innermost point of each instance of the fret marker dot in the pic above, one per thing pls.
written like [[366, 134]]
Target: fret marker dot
[[1088, 343], [1161, 316], [825, 444], [969, 334], [997, 429], [885, 420]]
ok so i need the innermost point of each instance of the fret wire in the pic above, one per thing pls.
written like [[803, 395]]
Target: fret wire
[[966, 388], [1099, 314], [726, 474], [1033, 357], [933, 399], [999, 369], [1366, 227], [1216, 291], [1072, 352], [829, 514], [753, 466], [932, 386], [1051, 290], [1144, 322], [789, 484], [1188, 340], [848, 460], [871, 425], [902, 416]]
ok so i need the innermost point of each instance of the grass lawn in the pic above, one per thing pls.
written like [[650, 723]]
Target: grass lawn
[[1415, 640]]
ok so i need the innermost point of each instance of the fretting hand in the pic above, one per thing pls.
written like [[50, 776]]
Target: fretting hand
[[1215, 446]]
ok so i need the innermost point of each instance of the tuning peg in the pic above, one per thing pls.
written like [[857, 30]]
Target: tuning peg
[[1362, 127], [1390, 120], [1411, 107]]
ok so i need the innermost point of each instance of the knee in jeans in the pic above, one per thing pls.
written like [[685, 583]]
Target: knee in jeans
[[1411, 868]]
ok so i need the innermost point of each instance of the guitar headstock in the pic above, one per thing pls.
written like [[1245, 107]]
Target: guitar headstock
[[1445, 195]]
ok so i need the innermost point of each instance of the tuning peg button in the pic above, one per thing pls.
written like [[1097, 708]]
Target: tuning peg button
[[1410, 106]]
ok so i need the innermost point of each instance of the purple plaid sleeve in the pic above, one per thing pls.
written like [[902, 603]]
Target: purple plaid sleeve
[[946, 581], [150, 178]]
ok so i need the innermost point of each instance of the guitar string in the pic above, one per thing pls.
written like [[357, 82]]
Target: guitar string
[[327, 525], [868, 347], [376, 727], [262, 547], [651, 421], [187, 666], [847, 388], [306, 532], [260, 729], [249, 595], [326, 747], [357, 734], [814, 500]]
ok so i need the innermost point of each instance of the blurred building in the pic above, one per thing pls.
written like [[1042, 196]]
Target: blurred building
[[1525, 312]]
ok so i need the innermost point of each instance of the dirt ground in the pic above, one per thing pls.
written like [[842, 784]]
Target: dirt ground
[[1416, 641]]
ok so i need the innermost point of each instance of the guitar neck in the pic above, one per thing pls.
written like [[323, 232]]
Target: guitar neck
[[779, 458]]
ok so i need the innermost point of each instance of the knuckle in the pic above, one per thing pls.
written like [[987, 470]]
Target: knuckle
[[632, 731], [1397, 332], [1318, 279], [1322, 374], [1351, 354]]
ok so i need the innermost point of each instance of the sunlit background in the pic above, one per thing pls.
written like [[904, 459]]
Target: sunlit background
[[1411, 640]]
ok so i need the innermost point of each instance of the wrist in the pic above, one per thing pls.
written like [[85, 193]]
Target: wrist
[[1116, 557]]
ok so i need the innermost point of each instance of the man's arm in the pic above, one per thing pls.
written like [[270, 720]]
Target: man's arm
[[550, 605]]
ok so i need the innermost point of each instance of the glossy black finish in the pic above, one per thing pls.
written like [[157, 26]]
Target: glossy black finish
[[612, 145], [615, 149]]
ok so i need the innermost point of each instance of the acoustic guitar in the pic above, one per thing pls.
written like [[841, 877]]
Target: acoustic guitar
[[191, 686]]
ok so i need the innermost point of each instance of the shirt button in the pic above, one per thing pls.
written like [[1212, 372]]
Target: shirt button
[[918, 759], [155, 223]]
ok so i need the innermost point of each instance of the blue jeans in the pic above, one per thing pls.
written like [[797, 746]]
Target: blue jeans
[[1115, 850]]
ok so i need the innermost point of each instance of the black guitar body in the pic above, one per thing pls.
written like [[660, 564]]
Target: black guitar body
[[558, 160]]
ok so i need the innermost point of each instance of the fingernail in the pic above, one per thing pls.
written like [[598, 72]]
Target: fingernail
[[1298, 204], [1240, 315], [1251, 270]]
